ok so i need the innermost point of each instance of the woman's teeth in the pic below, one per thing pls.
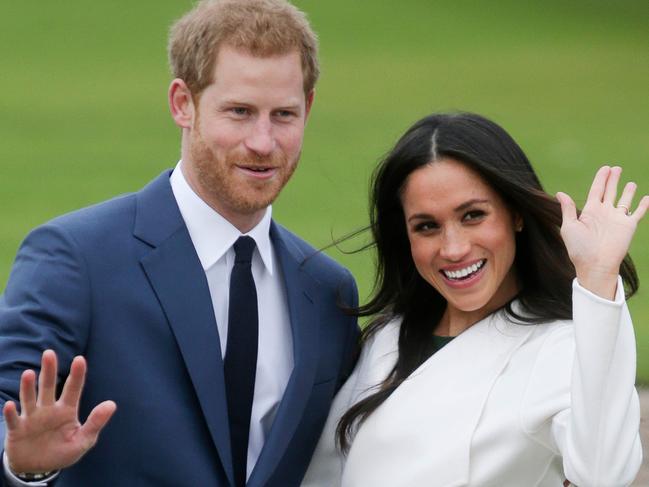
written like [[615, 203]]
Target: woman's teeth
[[464, 273]]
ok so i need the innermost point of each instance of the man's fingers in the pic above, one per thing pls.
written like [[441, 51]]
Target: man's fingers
[[96, 421], [568, 208], [11, 415], [610, 193], [27, 392], [598, 187], [47, 379], [74, 383]]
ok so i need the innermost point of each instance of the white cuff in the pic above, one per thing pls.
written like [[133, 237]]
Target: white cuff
[[619, 293], [13, 481]]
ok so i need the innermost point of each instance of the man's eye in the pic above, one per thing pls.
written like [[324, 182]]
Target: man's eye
[[239, 111], [285, 114]]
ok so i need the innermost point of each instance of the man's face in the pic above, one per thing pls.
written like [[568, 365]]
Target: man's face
[[246, 136]]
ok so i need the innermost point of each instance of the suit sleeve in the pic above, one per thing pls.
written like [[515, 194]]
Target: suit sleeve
[[46, 305], [595, 427], [377, 358]]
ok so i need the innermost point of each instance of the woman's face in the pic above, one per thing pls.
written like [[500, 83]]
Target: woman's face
[[462, 236]]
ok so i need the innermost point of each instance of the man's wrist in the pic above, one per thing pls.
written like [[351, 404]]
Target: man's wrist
[[33, 477], [17, 480]]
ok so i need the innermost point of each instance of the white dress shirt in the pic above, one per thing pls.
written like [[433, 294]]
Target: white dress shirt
[[213, 237]]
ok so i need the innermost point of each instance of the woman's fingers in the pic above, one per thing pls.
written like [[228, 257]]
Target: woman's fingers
[[642, 208], [627, 197], [568, 208], [610, 191], [598, 187]]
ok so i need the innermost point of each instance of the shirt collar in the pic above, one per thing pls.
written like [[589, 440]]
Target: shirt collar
[[211, 234]]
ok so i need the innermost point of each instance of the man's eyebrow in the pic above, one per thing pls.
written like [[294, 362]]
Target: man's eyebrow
[[234, 101], [288, 103]]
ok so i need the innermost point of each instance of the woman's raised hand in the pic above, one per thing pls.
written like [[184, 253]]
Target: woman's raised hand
[[598, 239]]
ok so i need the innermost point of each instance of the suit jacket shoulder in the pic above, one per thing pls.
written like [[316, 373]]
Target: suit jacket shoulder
[[315, 261], [324, 270]]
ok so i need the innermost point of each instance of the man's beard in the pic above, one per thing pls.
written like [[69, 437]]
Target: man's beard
[[218, 178]]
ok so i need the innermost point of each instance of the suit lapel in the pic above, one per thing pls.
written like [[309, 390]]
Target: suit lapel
[[435, 410], [304, 316], [179, 282]]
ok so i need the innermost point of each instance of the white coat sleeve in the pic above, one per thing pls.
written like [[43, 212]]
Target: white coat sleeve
[[598, 435]]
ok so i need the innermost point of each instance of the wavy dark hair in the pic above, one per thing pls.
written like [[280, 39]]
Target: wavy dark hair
[[543, 268]]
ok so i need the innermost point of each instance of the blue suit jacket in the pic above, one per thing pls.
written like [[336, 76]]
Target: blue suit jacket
[[121, 284]]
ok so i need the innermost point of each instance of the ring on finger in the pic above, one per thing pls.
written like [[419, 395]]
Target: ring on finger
[[627, 212]]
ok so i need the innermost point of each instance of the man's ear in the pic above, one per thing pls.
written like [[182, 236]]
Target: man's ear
[[309, 103], [181, 104]]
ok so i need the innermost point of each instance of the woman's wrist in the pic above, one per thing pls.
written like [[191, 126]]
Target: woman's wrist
[[600, 283]]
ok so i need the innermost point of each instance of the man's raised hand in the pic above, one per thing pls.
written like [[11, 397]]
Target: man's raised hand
[[47, 434]]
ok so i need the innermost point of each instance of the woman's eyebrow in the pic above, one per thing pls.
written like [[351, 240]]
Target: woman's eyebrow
[[463, 206], [469, 203], [420, 216]]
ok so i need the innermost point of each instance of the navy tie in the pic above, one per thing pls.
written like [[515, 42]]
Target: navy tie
[[241, 354]]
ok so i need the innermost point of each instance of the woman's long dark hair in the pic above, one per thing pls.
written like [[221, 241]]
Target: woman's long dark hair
[[543, 268]]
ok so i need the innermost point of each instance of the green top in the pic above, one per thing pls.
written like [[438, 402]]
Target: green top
[[436, 343]]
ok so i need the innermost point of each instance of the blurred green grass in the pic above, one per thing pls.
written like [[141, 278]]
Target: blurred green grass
[[84, 116]]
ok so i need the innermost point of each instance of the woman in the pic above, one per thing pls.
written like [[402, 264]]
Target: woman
[[488, 363]]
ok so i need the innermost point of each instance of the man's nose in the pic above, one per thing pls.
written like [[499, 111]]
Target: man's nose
[[261, 139]]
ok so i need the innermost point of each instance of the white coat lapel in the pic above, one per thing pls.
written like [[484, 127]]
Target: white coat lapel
[[422, 434]]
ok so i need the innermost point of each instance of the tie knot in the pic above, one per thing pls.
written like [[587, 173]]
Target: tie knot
[[243, 248]]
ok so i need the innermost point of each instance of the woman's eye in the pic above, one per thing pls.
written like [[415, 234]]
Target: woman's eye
[[426, 226], [474, 215]]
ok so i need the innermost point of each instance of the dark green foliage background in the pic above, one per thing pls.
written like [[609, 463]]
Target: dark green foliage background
[[83, 112]]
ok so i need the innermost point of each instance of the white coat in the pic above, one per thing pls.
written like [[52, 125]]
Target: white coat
[[501, 405]]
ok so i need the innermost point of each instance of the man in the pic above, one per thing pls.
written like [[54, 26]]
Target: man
[[214, 338]]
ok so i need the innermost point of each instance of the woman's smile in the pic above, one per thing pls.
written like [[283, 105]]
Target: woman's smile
[[462, 238], [465, 275]]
